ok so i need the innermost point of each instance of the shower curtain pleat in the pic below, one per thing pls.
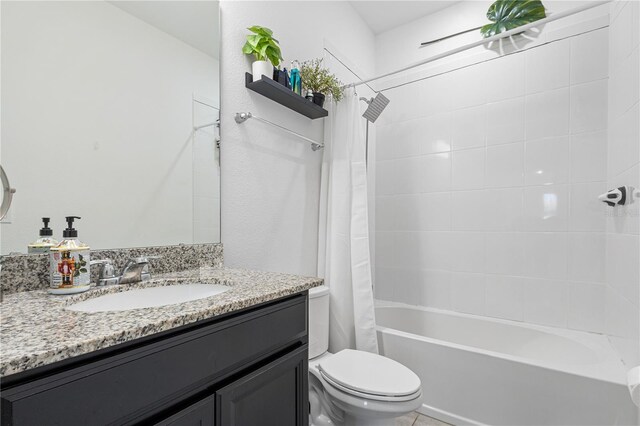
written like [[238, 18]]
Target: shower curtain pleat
[[343, 250]]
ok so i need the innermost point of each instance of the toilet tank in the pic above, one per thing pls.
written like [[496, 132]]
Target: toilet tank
[[318, 321]]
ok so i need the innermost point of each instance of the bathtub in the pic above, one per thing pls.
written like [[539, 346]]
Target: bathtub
[[483, 371]]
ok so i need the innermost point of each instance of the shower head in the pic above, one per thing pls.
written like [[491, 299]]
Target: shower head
[[375, 108]]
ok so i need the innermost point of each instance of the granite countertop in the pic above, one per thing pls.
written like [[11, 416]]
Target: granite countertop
[[36, 329]]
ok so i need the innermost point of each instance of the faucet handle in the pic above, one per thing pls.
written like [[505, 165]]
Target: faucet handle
[[107, 273]]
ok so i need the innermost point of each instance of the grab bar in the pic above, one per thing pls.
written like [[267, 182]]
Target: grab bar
[[241, 117], [7, 195]]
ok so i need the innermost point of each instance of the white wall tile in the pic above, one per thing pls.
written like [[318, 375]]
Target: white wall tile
[[384, 249], [589, 157], [435, 133], [434, 211], [384, 283], [468, 169], [469, 88], [623, 269], [624, 149], [587, 213], [546, 255], [435, 95], [406, 286], [547, 161], [468, 210], [586, 308], [407, 175], [407, 250], [545, 302], [436, 289], [547, 114], [467, 251], [547, 66], [468, 292], [505, 121], [384, 142], [505, 78], [405, 210], [505, 297], [385, 217], [586, 257], [589, 106], [624, 85], [546, 208], [505, 253], [621, 316], [504, 166], [406, 137], [385, 178], [435, 172], [504, 209], [587, 53], [436, 250], [470, 128]]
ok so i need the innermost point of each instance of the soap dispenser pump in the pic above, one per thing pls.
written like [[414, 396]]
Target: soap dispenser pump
[[69, 263], [45, 241]]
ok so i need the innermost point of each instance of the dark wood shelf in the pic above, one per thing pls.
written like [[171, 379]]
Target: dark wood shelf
[[284, 96]]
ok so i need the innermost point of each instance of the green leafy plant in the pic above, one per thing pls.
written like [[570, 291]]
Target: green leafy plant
[[318, 79], [262, 45], [509, 14]]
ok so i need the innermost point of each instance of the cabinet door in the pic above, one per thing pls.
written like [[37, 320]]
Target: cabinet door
[[274, 395], [202, 413]]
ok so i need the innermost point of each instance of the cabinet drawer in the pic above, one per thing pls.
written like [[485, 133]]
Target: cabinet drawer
[[124, 387]]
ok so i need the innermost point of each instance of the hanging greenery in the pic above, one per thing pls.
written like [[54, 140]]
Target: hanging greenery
[[509, 14]]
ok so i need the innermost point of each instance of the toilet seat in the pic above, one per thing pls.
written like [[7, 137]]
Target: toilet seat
[[370, 376]]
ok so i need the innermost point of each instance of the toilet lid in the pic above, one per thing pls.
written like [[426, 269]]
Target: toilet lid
[[369, 373]]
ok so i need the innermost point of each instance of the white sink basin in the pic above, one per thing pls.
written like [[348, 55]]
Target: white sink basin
[[148, 297]]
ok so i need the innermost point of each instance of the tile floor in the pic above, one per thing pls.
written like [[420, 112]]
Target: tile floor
[[415, 419]]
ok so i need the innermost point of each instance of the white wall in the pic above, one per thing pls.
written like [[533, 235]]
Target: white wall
[[487, 182], [271, 181], [623, 223], [96, 122]]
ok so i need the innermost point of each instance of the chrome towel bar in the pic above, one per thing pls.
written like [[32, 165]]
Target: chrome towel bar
[[241, 117]]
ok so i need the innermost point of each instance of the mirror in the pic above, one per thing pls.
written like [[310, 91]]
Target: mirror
[[109, 111]]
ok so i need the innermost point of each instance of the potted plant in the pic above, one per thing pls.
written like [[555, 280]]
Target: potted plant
[[320, 81], [265, 49]]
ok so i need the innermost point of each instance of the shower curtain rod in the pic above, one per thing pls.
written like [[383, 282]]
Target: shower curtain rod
[[496, 37]]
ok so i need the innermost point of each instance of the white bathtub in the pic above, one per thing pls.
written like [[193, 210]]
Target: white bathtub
[[477, 370]]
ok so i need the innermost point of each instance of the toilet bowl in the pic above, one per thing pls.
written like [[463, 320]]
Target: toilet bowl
[[350, 387]]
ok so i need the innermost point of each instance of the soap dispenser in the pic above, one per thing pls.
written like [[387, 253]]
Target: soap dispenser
[[69, 263], [45, 241]]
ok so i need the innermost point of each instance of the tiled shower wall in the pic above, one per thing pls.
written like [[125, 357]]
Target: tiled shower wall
[[486, 187], [623, 223]]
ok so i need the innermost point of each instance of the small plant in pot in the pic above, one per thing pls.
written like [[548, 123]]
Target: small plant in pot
[[320, 81], [265, 50]]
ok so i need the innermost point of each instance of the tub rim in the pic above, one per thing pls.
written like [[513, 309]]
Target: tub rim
[[610, 369]]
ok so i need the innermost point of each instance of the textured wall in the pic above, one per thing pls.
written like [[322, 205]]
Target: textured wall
[[270, 180]]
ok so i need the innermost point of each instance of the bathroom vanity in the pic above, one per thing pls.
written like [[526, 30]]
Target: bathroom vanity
[[237, 358]]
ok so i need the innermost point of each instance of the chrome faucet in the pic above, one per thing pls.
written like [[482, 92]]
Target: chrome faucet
[[135, 270]]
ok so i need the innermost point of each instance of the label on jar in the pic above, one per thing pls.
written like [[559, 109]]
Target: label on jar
[[69, 268]]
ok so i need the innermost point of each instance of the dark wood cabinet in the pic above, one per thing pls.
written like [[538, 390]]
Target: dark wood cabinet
[[234, 368], [202, 413], [274, 395]]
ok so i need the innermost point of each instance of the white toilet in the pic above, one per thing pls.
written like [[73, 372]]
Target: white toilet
[[353, 388]]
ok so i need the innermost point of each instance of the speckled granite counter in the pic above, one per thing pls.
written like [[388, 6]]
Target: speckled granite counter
[[36, 329]]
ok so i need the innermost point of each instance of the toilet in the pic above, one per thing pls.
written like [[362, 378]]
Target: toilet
[[353, 388]]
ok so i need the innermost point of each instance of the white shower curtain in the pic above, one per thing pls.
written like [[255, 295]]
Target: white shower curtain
[[343, 252]]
